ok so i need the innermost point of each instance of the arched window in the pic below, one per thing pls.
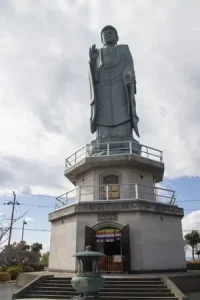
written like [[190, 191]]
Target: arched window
[[111, 188]]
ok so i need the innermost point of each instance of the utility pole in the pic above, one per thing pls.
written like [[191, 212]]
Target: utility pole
[[24, 223], [14, 202]]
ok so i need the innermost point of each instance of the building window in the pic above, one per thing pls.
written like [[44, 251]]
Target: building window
[[111, 188]]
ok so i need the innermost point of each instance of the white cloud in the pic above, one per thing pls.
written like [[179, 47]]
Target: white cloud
[[29, 219], [44, 90], [26, 190], [191, 221]]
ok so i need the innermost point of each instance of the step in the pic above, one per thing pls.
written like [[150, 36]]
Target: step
[[110, 279], [48, 288], [133, 285], [139, 294], [102, 293], [133, 278], [118, 289], [33, 291], [55, 297], [124, 286], [132, 281], [105, 289], [54, 284], [120, 285], [60, 278], [57, 280]]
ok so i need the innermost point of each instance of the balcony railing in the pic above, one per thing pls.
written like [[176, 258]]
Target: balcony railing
[[113, 149], [116, 192]]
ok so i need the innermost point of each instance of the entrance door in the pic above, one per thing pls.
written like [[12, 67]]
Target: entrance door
[[89, 241], [90, 238], [108, 241], [125, 246], [115, 244]]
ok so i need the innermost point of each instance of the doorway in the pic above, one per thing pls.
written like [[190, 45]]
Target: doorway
[[108, 241], [114, 243]]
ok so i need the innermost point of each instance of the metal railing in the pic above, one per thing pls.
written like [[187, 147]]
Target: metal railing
[[112, 192], [113, 149]]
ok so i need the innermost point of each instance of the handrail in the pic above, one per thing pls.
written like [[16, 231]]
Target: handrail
[[129, 191], [114, 149]]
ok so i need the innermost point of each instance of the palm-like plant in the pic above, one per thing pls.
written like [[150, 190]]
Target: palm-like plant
[[192, 239], [198, 253]]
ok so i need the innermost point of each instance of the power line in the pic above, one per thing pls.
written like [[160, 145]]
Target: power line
[[191, 209], [17, 211], [189, 200], [52, 207], [31, 229], [20, 210], [35, 205], [12, 216], [13, 219], [48, 206], [186, 200], [191, 229]]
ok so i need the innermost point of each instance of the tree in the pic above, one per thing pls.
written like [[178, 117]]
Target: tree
[[45, 259], [36, 247], [4, 228], [185, 245], [198, 253], [192, 239], [18, 253]]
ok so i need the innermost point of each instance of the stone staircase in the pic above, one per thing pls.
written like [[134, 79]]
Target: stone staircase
[[140, 288]]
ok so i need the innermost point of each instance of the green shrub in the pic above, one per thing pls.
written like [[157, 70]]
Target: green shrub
[[5, 276], [28, 269], [14, 271], [193, 265], [37, 267]]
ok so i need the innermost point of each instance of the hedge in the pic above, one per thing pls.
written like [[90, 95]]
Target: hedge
[[5, 276], [37, 267], [28, 269], [14, 271], [193, 265]]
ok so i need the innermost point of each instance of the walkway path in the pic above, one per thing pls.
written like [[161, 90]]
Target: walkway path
[[193, 296], [6, 290]]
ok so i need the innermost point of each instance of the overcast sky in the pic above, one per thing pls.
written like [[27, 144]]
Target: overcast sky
[[44, 90]]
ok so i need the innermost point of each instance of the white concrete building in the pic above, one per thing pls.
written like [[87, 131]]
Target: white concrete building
[[117, 209]]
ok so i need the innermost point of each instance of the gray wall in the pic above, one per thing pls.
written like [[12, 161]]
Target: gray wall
[[89, 182], [156, 240], [63, 244]]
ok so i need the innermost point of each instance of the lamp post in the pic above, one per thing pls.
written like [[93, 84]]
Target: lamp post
[[24, 223]]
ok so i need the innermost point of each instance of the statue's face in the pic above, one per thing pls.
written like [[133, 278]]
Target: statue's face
[[109, 37]]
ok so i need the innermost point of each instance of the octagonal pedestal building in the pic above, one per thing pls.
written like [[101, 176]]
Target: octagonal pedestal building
[[117, 209]]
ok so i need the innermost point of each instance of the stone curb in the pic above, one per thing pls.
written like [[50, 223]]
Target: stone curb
[[11, 281]]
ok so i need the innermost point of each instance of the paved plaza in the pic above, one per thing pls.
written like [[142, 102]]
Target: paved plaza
[[6, 290]]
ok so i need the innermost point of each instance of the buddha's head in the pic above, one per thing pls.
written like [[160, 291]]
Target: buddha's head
[[109, 35]]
